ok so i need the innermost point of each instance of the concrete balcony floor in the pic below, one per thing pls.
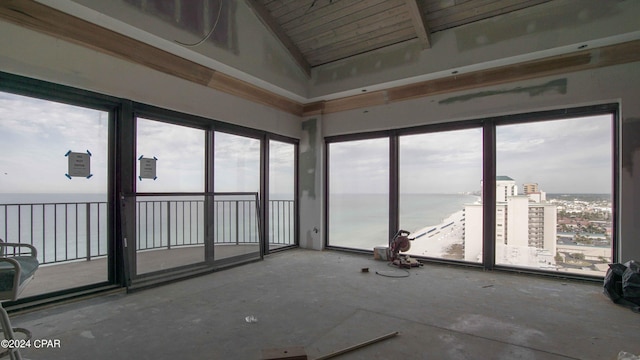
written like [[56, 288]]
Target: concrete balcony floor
[[321, 300], [67, 275]]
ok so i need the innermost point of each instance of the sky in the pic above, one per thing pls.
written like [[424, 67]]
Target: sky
[[563, 156], [36, 134], [566, 156]]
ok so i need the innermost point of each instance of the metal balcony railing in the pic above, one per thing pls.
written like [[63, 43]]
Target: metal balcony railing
[[78, 231]]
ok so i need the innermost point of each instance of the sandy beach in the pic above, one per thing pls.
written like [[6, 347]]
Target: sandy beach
[[445, 240]]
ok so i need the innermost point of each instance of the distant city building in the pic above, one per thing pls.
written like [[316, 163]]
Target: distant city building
[[532, 191], [530, 188], [523, 221]]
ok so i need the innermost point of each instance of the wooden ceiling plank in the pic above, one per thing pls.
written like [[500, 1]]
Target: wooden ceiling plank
[[318, 14], [370, 35], [393, 17], [439, 22], [357, 39], [291, 8], [274, 27], [360, 47], [311, 8], [335, 25], [419, 23], [468, 6], [436, 5]]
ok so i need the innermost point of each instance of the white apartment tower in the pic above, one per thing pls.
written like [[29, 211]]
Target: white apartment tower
[[522, 220]]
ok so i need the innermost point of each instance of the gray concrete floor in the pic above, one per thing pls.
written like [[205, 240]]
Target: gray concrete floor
[[322, 301]]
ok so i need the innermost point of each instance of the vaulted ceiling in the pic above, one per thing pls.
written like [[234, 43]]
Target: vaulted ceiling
[[318, 32], [353, 52]]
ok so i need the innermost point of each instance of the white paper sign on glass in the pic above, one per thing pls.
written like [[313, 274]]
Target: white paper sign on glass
[[79, 164], [148, 168]]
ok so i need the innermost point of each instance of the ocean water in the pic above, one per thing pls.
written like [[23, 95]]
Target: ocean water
[[56, 224], [60, 231], [361, 221]]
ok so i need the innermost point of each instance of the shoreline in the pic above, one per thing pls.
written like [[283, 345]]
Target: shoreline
[[440, 240]]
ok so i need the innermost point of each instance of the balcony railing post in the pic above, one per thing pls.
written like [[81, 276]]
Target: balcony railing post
[[88, 222], [169, 224], [237, 224]]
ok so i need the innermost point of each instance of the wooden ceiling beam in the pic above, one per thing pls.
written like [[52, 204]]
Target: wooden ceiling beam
[[263, 14], [419, 23]]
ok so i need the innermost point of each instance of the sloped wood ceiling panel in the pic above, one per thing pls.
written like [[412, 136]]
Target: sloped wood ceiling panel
[[324, 31]]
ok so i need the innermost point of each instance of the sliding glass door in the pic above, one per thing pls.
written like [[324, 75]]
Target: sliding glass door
[[281, 208], [236, 207], [54, 188], [170, 201]]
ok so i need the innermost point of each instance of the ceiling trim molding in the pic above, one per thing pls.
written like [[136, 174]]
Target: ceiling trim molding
[[617, 54]]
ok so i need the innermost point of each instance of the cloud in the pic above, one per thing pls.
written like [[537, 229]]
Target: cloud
[[36, 134], [571, 155]]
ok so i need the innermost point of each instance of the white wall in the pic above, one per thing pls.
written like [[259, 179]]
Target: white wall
[[619, 84]]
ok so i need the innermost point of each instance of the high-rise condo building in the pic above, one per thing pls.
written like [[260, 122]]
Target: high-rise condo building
[[524, 222]]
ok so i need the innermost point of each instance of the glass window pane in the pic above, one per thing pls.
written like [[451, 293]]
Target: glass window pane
[[281, 194], [236, 170], [53, 172], [553, 195], [179, 151], [169, 228], [440, 178], [359, 194], [237, 163]]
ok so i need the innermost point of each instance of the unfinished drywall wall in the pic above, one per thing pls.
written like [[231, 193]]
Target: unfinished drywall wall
[[548, 29], [618, 84], [630, 176], [245, 44], [310, 184], [31, 54], [558, 85]]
